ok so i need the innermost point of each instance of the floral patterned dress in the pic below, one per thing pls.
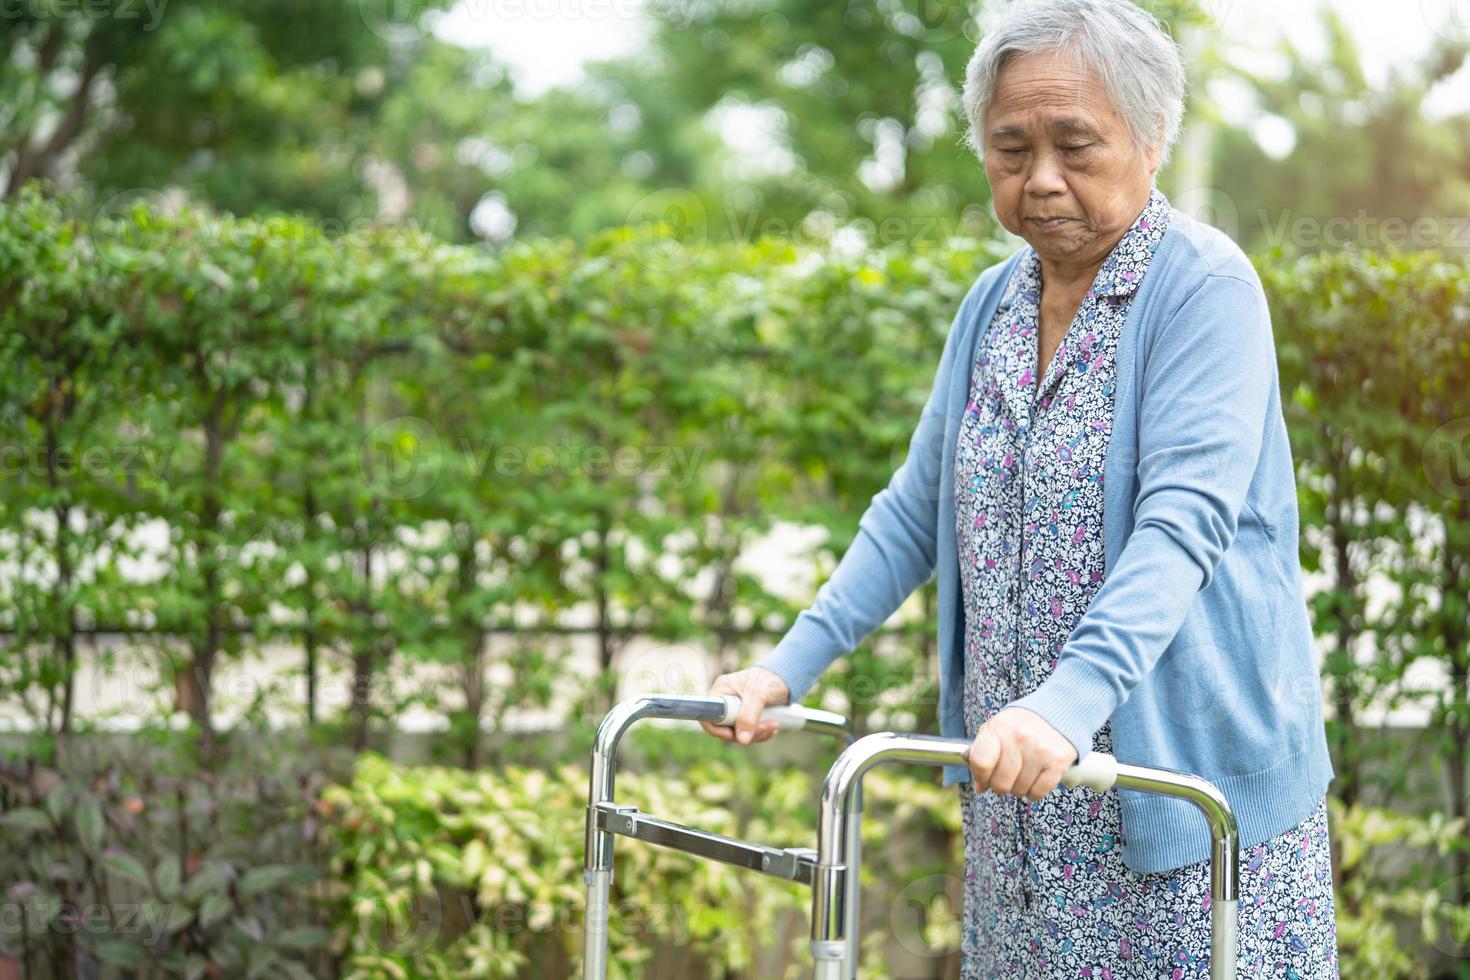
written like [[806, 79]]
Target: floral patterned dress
[[1047, 894]]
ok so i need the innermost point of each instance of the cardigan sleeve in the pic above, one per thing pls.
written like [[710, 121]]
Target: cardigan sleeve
[[1202, 414], [895, 549]]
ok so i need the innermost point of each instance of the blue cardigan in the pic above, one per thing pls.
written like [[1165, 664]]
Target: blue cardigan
[[1197, 645]]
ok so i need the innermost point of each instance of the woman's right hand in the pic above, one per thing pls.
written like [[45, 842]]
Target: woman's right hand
[[757, 688]]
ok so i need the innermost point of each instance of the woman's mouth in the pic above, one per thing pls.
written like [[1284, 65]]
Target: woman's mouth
[[1047, 224]]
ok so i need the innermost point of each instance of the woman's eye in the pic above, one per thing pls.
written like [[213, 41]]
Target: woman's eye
[[1012, 150], [1077, 148]]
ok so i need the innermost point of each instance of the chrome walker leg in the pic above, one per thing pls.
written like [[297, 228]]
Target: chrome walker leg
[[834, 942], [597, 867], [833, 869]]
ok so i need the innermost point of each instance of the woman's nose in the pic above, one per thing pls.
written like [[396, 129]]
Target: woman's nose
[[1045, 176]]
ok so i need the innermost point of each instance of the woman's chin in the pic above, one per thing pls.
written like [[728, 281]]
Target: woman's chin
[[1063, 243]]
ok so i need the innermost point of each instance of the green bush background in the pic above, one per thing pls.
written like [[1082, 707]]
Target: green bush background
[[352, 442]]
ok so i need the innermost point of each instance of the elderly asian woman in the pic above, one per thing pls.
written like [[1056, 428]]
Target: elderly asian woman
[[1103, 482]]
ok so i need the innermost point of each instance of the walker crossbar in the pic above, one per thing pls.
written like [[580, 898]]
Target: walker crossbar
[[832, 868], [790, 863]]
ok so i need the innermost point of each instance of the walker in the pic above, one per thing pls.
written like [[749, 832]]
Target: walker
[[831, 869]]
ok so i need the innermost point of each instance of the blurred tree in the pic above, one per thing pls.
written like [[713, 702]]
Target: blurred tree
[[252, 106], [1367, 166], [848, 111]]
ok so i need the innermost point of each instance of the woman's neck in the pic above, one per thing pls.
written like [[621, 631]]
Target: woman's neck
[[1065, 283]]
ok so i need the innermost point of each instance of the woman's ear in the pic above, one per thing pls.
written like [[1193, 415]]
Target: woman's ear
[[1155, 152]]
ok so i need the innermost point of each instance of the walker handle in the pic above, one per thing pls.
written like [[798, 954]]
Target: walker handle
[[1095, 770], [790, 717]]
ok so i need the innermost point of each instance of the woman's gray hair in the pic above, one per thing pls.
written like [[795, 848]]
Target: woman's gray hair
[[1138, 63]]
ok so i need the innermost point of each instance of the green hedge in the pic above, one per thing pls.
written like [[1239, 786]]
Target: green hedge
[[458, 874], [379, 448], [397, 872], [523, 428], [131, 860]]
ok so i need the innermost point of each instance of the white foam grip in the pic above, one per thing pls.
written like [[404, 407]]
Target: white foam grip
[[1096, 770], [790, 717]]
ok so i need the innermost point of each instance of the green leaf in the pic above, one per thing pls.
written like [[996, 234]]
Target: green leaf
[[179, 916], [90, 824], [124, 865], [27, 820], [118, 952], [266, 878], [303, 937], [212, 877], [214, 910], [167, 873]]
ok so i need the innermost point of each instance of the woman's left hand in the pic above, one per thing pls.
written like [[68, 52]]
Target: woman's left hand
[[1018, 753]]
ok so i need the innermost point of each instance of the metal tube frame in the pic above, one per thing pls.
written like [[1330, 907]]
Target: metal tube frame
[[606, 818], [833, 941], [832, 868]]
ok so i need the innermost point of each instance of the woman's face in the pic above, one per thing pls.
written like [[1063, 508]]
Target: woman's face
[[1055, 148]]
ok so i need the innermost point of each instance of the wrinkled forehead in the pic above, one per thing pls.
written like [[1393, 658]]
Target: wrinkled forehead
[[1051, 92]]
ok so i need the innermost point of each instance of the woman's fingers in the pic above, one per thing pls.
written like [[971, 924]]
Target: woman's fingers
[[725, 733], [723, 685], [1003, 779], [755, 688], [1046, 781], [982, 756], [1017, 754], [721, 732], [749, 719]]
